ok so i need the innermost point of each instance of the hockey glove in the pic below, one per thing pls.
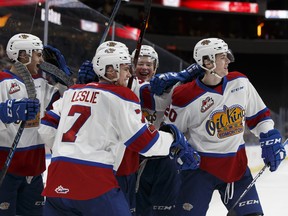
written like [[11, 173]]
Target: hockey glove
[[86, 74], [55, 57], [185, 155], [14, 110], [163, 82], [187, 159], [273, 152]]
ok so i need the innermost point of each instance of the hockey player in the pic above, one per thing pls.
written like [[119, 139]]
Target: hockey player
[[158, 180], [126, 173], [151, 193], [212, 112], [89, 129], [20, 193]]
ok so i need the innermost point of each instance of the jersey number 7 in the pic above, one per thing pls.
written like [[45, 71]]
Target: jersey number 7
[[85, 112]]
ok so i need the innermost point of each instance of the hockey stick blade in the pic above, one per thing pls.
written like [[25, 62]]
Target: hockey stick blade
[[31, 92], [27, 79], [53, 70]]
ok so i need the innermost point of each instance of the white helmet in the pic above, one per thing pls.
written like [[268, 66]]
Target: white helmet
[[25, 42], [112, 44], [147, 51], [209, 47], [110, 56]]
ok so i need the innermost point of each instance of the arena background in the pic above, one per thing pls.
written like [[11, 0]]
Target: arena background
[[76, 28]]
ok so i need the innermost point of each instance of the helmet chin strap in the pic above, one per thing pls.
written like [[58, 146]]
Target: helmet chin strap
[[215, 74], [112, 80], [212, 71], [30, 60]]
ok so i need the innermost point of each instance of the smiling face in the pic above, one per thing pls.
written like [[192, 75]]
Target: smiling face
[[145, 68], [35, 60]]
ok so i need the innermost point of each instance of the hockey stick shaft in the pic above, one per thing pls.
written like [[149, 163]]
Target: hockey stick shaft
[[231, 210], [111, 20], [140, 38], [11, 152], [30, 88]]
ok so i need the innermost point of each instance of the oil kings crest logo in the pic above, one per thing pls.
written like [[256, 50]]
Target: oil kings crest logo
[[226, 122], [151, 117], [205, 42], [23, 36], [110, 50], [187, 206], [4, 205], [206, 104], [111, 44]]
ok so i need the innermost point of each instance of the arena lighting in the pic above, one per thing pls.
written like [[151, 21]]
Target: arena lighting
[[210, 5], [259, 29], [127, 32], [6, 3], [171, 3], [227, 6], [276, 14]]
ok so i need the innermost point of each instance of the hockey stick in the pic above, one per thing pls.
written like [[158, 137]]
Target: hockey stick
[[53, 70], [31, 92], [231, 211], [144, 26], [116, 8]]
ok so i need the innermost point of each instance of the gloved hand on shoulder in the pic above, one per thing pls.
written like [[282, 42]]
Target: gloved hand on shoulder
[[181, 150], [19, 110], [86, 73], [163, 82], [273, 151]]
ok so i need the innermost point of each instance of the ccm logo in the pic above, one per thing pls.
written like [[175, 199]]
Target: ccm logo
[[271, 142]]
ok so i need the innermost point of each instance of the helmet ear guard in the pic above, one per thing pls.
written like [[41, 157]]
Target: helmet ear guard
[[23, 41], [149, 51], [110, 57]]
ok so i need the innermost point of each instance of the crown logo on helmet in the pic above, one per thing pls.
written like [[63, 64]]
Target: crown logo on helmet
[[205, 42], [23, 36], [111, 44]]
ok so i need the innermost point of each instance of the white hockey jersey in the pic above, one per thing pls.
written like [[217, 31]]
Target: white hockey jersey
[[152, 107], [29, 158], [89, 129], [213, 121]]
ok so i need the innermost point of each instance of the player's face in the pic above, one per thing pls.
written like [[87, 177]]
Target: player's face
[[124, 75], [222, 63], [36, 60], [145, 68]]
